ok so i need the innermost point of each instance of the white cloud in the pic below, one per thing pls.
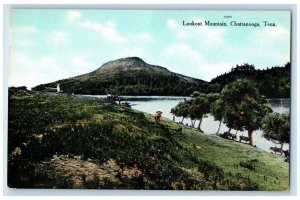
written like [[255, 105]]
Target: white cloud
[[22, 35], [24, 29], [182, 59], [79, 62], [211, 36], [270, 45], [25, 42], [182, 50], [38, 70], [185, 60], [212, 70], [32, 71], [271, 36], [171, 23], [175, 28], [73, 15], [200, 34], [107, 30], [48, 63], [276, 32], [58, 38], [144, 37]]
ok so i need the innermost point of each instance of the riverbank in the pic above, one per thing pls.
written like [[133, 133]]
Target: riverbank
[[209, 125], [61, 141]]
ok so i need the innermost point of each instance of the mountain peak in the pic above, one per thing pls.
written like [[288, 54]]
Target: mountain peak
[[128, 59], [125, 63]]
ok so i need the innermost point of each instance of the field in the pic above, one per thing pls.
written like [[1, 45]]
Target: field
[[65, 141]]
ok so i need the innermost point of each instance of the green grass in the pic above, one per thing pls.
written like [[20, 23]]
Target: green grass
[[270, 173], [167, 157]]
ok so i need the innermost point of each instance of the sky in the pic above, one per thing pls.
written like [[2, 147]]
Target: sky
[[46, 45]]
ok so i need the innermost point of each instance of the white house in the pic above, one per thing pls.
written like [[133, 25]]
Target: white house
[[57, 89]]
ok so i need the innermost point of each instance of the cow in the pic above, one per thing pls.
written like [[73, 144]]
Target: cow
[[228, 135], [245, 138], [157, 116], [276, 149], [286, 153]]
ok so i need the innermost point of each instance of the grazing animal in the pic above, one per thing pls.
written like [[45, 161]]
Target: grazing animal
[[246, 139], [286, 153], [157, 116], [276, 149], [228, 135]]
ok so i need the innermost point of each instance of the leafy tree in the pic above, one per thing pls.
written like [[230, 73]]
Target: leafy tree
[[276, 127], [244, 107], [217, 110], [199, 107], [181, 110]]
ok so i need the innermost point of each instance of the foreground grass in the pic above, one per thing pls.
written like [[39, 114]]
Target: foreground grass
[[61, 141]]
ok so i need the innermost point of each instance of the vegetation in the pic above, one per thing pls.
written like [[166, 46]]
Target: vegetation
[[195, 109], [240, 106], [132, 76], [272, 82], [182, 110], [61, 141], [129, 76], [244, 107], [217, 110], [276, 127]]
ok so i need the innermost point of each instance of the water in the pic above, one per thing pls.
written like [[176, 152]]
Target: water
[[151, 104]]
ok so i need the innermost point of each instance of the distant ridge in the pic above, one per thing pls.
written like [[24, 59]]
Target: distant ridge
[[273, 82]]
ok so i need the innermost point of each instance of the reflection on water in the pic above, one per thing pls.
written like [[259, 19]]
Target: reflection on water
[[209, 125]]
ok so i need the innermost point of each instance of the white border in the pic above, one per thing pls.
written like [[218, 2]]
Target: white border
[[160, 5]]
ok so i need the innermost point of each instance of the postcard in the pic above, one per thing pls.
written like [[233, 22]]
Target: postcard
[[149, 99]]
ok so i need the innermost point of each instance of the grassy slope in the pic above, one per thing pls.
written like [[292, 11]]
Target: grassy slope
[[271, 172], [105, 138]]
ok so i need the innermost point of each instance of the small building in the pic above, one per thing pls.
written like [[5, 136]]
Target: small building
[[50, 89], [58, 88]]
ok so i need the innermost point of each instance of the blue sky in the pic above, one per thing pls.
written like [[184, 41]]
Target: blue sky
[[47, 45]]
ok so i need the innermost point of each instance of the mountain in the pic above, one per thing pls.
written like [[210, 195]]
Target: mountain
[[133, 76], [130, 76], [272, 82]]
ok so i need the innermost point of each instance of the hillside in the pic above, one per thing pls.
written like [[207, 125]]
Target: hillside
[[63, 141], [130, 76], [273, 82]]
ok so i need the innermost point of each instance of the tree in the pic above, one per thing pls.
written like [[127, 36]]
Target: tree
[[199, 107], [276, 127], [217, 110], [244, 107], [181, 110]]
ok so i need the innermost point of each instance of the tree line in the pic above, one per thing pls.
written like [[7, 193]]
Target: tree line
[[272, 82], [130, 84], [241, 107]]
